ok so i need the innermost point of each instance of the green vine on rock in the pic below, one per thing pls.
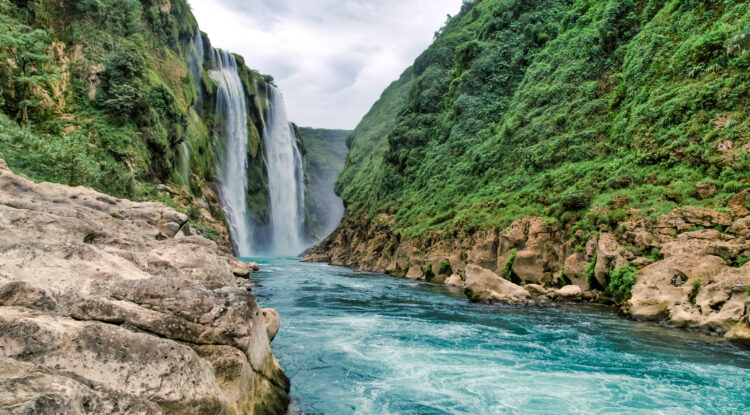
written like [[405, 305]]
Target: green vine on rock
[[508, 270]]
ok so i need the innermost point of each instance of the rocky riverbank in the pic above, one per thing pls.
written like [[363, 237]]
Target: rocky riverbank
[[688, 269], [112, 306]]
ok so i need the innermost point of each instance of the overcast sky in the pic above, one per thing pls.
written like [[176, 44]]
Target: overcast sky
[[330, 58]]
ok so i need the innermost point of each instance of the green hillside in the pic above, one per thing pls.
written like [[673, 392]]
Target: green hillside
[[579, 111], [325, 153], [115, 94]]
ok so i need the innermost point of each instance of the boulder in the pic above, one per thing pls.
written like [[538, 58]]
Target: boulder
[[243, 269], [693, 287], [705, 217], [568, 293], [575, 269], [535, 289], [529, 266], [111, 303], [273, 322], [608, 258], [455, 280], [483, 285], [706, 190]]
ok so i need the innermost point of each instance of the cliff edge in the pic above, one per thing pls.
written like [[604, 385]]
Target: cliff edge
[[112, 306]]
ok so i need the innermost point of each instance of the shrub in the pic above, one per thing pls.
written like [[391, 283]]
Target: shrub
[[124, 92], [445, 268], [508, 270], [621, 281], [654, 254], [696, 284], [194, 213], [741, 261], [428, 273], [591, 271], [561, 279]]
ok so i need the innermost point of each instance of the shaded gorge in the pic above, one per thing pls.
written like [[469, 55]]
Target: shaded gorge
[[363, 343]]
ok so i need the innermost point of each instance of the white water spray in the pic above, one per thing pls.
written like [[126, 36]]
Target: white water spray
[[285, 180], [230, 134], [184, 164]]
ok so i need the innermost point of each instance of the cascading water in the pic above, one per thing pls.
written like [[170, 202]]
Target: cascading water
[[184, 164], [195, 64], [230, 134], [285, 180]]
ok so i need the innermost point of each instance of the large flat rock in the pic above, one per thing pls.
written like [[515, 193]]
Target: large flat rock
[[113, 306]]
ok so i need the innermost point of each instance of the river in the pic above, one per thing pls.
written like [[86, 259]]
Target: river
[[364, 343]]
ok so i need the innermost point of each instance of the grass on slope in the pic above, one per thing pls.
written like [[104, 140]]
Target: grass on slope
[[577, 111]]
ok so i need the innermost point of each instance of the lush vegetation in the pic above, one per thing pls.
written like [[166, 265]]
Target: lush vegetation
[[445, 268], [508, 268], [621, 281], [579, 111], [114, 94]]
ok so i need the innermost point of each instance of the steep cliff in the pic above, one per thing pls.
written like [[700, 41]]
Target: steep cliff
[[325, 153], [565, 141], [118, 95]]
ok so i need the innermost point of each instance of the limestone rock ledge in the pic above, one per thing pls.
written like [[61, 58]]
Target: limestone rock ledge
[[112, 306], [691, 265]]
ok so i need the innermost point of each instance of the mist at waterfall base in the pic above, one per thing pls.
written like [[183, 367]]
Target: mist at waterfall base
[[284, 235]]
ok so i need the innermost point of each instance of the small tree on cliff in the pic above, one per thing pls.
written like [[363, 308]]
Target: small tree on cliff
[[24, 59]]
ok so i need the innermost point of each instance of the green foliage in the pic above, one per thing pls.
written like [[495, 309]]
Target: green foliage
[[557, 109], [654, 254], [24, 59], [445, 268], [65, 160], [737, 261], [508, 268], [428, 273], [124, 92], [747, 290], [621, 281], [561, 279], [696, 284], [109, 99], [591, 271]]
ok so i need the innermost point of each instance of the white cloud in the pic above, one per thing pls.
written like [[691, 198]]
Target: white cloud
[[330, 58]]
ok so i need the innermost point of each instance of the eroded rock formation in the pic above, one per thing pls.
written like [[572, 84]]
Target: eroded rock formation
[[112, 306], [692, 264]]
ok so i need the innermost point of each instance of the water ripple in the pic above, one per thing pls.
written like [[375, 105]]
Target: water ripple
[[361, 343]]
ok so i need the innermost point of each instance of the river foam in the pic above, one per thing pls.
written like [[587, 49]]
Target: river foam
[[360, 343]]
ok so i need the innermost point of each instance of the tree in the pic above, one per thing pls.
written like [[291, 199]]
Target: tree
[[124, 90], [24, 59]]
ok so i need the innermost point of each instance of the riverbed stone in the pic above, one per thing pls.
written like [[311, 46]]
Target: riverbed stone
[[483, 285]]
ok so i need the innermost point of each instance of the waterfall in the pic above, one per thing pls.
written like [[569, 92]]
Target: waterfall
[[184, 164], [230, 135], [195, 64], [285, 180]]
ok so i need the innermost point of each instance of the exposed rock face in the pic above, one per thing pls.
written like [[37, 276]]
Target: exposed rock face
[[697, 244], [694, 286], [111, 306]]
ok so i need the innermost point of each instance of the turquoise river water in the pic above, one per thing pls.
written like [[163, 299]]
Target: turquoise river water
[[363, 343]]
